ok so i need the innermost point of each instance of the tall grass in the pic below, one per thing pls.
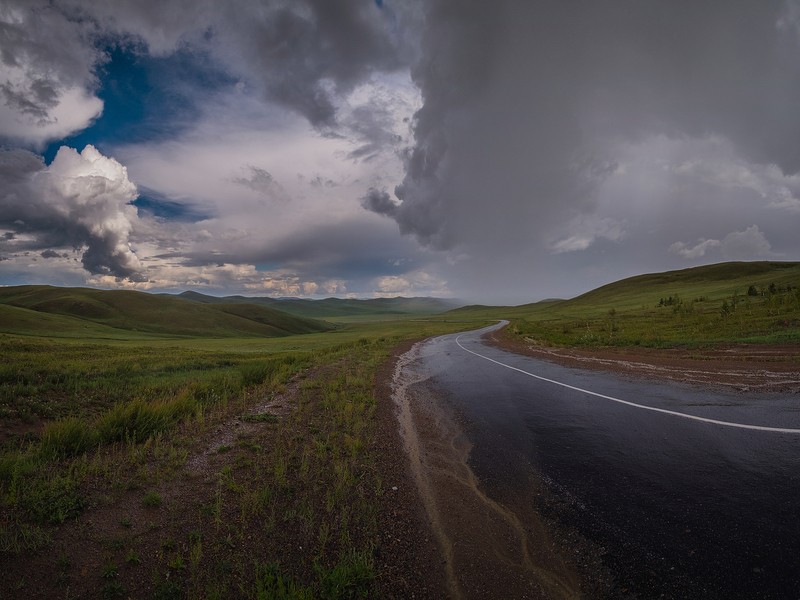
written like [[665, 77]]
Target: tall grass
[[68, 437], [310, 474]]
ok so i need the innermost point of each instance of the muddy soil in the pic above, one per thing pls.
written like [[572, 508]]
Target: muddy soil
[[742, 367]]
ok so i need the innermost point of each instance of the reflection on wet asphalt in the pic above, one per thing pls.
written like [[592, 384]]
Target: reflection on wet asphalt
[[679, 508]]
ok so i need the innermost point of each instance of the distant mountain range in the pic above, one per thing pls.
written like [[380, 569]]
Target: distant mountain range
[[335, 307], [86, 312], [43, 310]]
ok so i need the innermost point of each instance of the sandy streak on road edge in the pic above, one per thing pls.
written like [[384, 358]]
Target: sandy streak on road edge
[[438, 457]]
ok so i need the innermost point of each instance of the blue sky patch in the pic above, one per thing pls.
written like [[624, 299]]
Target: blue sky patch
[[161, 207], [146, 98]]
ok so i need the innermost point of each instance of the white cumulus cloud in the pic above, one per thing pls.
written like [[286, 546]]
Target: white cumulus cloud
[[80, 201], [748, 244], [684, 250]]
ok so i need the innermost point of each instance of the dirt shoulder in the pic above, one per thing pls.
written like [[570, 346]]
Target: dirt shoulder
[[410, 564], [464, 543], [742, 367]]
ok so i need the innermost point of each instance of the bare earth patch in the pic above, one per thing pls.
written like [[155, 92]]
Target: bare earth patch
[[742, 367], [162, 516]]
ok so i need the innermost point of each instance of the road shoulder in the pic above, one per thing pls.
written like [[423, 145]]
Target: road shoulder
[[740, 367]]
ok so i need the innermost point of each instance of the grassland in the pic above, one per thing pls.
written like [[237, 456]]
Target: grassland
[[337, 307], [89, 313], [139, 460], [717, 304]]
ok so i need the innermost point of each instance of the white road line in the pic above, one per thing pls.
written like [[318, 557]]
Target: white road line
[[633, 404]]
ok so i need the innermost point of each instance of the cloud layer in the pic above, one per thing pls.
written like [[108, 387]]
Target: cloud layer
[[521, 101], [47, 78], [501, 151]]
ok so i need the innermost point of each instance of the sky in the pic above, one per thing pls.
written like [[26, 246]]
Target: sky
[[497, 152]]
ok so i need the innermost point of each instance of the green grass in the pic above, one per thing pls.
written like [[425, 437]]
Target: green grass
[[118, 413], [52, 378], [704, 305], [260, 418], [152, 500], [348, 579], [97, 313], [16, 538], [332, 308]]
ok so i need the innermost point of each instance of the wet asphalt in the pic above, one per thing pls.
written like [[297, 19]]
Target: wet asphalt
[[674, 508]]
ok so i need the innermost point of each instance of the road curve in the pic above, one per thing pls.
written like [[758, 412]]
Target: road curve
[[662, 489], [674, 413]]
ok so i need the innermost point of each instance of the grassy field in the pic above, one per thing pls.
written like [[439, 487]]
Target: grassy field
[[100, 493], [338, 307], [88, 313], [716, 304]]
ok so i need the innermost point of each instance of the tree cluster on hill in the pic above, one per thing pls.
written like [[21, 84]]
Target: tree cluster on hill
[[771, 289]]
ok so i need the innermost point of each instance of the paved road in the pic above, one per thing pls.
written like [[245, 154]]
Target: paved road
[[676, 507]]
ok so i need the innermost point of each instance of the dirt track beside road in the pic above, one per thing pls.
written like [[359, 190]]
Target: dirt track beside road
[[742, 367]]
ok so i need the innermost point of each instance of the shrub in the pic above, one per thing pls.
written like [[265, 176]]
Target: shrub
[[257, 373], [350, 578], [138, 420], [152, 500], [68, 437]]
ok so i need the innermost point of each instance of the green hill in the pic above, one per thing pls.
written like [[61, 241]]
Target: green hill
[[715, 282], [727, 302], [73, 311], [335, 307]]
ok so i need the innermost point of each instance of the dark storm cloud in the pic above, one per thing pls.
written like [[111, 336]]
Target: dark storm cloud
[[525, 102], [372, 124], [53, 254], [303, 54], [308, 53], [379, 201], [37, 100], [262, 182], [47, 77]]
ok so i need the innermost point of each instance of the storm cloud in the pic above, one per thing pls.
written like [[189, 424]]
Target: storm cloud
[[526, 105], [47, 79], [305, 55]]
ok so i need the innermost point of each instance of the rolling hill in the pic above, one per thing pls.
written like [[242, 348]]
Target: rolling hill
[[76, 311], [726, 302], [335, 307]]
